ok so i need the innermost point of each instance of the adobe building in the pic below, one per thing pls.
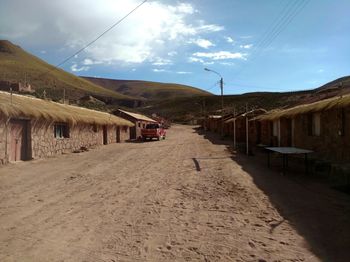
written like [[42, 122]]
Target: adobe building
[[322, 126], [32, 128], [213, 123], [16, 87], [139, 121]]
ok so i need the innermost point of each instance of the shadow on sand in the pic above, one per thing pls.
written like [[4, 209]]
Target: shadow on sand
[[320, 214]]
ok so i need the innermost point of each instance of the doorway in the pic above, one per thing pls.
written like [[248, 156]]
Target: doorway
[[19, 140], [105, 137], [118, 134]]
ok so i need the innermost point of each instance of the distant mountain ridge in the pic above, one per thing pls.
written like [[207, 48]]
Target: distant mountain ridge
[[148, 90]]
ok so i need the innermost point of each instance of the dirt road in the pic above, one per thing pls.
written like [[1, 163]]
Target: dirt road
[[181, 199]]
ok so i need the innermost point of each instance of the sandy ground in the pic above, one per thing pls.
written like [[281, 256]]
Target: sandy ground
[[181, 199]]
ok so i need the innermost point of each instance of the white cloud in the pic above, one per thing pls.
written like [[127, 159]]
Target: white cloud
[[158, 61], [195, 60], [227, 63], [209, 28], [145, 34], [183, 72], [320, 70], [204, 43], [183, 8], [221, 55], [229, 39], [88, 61], [199, 60], [43, 51], [75, 68], [172, 53], [246, 46], [158, 70]]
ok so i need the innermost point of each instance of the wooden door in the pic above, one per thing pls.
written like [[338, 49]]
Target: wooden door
[[133, 132], [118, 134], [105, 138], [18, 140]]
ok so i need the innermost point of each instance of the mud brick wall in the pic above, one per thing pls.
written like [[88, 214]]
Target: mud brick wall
[[330, 145], [44, 143], [111, 134], [124, 133], [3, 158]]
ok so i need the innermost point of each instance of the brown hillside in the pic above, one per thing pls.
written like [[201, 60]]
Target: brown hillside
[[148, 90], [16, 65]]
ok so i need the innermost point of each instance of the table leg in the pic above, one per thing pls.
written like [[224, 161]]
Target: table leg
[[284, 164], [268, 158]]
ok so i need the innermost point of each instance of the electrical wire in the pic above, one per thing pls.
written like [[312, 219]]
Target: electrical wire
[[289, 12], [94, 40]]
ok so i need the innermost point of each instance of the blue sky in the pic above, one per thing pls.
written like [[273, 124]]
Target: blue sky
[[256, 45]]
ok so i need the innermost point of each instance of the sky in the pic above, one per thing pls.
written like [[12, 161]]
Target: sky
[[255, 45]]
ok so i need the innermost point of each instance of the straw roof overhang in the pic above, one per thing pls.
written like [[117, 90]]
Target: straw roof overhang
[[250, 114], [214, 116], [323, 105], [229, 120], [19, 106], [138, 116]]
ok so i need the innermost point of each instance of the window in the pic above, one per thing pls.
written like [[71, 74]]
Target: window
[[152, 126], [314, 124], [275, 128], [139, 124], [94, 128], [61, 131]]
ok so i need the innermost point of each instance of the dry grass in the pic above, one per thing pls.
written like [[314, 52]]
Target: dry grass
[[28, 107], [323, 105]]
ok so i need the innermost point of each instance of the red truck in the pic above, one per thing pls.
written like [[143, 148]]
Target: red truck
[[153, 131]]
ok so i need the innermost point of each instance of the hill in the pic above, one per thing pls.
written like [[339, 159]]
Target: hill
[[17, 65], [148, 90], [189, 108]]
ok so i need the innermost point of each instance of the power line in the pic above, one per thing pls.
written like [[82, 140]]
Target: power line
[[214, 85], [289, 12], [94, 40]]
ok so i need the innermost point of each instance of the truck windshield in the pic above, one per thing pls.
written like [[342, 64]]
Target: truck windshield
[[152, 126]]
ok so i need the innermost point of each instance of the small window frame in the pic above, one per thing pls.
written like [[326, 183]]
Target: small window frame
[[61, 131]]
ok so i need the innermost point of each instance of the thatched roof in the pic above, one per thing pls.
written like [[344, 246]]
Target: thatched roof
[[214, 116], [138, 116], [34, 108], [323, 105], [249, 114]]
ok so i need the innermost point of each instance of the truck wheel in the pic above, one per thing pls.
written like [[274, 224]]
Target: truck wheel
[[143, 138], [158, 138]]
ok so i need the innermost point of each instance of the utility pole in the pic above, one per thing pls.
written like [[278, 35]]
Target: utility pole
[[222, 99], [222, 106]]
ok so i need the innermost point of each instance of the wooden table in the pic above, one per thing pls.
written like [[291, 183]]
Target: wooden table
[[285, 152]]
